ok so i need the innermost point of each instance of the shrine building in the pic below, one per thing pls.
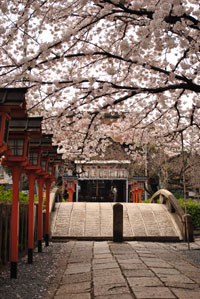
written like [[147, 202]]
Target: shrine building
[[102, 181]]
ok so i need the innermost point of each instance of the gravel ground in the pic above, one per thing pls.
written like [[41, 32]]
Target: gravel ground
[[193, 254], [33, 280]]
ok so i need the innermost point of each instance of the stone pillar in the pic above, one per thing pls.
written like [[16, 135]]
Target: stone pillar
[[188, 228], [118, 223]]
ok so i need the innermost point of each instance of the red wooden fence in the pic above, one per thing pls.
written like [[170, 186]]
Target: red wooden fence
[[5, 219]]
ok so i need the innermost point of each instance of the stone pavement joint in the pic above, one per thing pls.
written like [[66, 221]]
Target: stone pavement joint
[[107, 270]]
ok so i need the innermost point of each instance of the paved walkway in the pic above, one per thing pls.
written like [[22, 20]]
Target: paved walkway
[[107, 270], [95, 221]]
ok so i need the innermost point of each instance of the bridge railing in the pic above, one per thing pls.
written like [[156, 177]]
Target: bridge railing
[[184, 221], [55, 196]]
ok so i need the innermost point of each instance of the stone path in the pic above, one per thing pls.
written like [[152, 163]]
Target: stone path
[[107, 270], [94, 221]]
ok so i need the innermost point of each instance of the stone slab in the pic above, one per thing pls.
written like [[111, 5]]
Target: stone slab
[[111, 289], [76, 268], [76, 278], [106, 272], [180, 278], [156, 264], [122, 296], [101, 280], [130, 261], [165, 271], [144, 282], [186, 294], [105, 266], [101, 255], [152, 292], [103, 260], [133, 266], [74, 296], [74, 288], [138, 273]]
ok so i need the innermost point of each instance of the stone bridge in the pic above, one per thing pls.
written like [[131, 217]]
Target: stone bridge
[[161, 220]]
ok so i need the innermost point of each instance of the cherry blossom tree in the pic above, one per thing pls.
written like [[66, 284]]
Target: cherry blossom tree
[[81, 59]]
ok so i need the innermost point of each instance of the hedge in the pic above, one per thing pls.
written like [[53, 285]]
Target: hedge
[[193, 208], [6, 195]]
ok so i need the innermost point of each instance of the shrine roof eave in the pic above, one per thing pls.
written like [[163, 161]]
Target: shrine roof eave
[[12, 96]]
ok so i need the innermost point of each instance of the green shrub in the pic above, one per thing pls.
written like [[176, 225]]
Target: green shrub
[[23, 197], [193, 208], [177, 194], [6, 195], [147, 200]]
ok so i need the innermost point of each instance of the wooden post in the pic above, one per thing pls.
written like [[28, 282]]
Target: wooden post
[[14, 221], [118, 223], [1, 224], [31, 179], [70, 189], [134, 195], [47, 216], [40, 216], [140, 195], [71, 192]]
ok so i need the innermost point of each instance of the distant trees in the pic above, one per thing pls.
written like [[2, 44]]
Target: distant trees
[[168, 171]]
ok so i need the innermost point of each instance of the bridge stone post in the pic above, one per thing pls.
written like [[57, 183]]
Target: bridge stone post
[[188, 228], [118, 223], [161, 199]]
